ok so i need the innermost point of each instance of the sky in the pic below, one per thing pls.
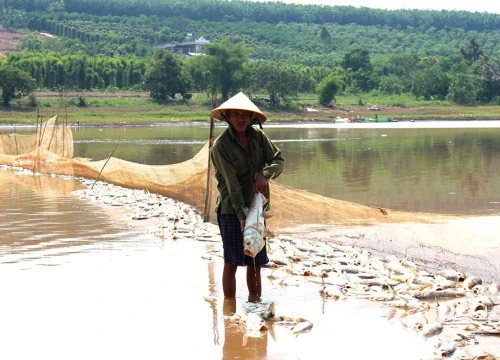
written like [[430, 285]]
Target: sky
[[491, 6]]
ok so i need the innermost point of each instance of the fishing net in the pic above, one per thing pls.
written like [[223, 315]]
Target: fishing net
[[432, 238], [50, 151], [50, 135]]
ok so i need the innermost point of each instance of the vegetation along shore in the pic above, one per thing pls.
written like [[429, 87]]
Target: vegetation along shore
[[153, 61]]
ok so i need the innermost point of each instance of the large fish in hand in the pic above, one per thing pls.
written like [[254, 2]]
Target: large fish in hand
[[255, 228]]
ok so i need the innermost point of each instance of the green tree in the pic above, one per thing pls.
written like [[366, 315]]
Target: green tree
[[472, 52], [14, 83], [392, 84], [325, 37], [55, 6], [198, 72], [165, 76], [226, 66], [165, 34], [279, 80], [12, 18], [359, 70], [328, 89], [464, 85], [399, 70], [32, 42], [357, 59], [430, 82]]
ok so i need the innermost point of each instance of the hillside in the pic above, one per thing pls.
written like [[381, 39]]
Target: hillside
[[310, 35], [279, 50], [9, 41]]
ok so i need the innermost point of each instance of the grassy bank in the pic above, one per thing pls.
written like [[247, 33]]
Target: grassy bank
[[137, 108]]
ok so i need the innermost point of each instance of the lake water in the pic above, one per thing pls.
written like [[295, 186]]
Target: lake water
[[79, 281], [439, 167], [83, 281]]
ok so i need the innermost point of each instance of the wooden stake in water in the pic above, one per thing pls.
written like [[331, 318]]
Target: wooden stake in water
[[100, 172]]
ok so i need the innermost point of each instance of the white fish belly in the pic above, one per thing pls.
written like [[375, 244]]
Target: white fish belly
[[253, 235]]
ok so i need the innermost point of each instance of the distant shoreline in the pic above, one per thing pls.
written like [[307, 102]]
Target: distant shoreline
[[403, 124]]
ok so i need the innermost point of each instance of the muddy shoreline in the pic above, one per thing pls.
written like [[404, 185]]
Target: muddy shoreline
[[343, 268]]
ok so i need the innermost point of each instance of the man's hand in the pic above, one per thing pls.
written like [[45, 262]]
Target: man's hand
[[242, 225], [261, 184]]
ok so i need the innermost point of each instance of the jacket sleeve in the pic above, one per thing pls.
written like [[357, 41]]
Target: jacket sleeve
[[228, 174], [274, 160]]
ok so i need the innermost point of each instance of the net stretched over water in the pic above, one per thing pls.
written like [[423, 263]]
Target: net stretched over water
[[430, 238], [50, 135], [50, 151]]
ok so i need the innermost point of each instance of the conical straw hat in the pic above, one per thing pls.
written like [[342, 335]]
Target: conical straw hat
[[238, 102]]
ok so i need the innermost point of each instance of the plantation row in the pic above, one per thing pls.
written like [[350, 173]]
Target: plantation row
[[53, 72], [270, 12], [89, 31]]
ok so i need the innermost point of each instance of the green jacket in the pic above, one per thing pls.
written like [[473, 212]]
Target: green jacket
[[236, 168]]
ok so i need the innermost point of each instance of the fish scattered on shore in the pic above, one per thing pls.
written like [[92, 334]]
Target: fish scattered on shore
[[447, 305]]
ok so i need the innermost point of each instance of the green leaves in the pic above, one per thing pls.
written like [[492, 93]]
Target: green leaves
[[165, 76], [14, 83]]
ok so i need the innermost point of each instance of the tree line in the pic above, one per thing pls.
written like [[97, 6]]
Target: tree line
[[469, 77], [282, 54], [269, 12]]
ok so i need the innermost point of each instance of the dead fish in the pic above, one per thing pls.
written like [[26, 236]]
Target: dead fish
[[442, 283], [306, 248], [494, 288], [483, 303], [472, 281], [254, 324], [302, 326], [451, 274], [461, 308], [443, 309], [253, 235], [415, 322], [380, 281], [479, 289], [269, 313], [396, 267], [280, 261], [447, 348], [432, 329], [333, 291], [448, 293]]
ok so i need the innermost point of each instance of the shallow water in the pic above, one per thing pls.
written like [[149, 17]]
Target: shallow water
[[450, 167], [437, 167], [82, 281]]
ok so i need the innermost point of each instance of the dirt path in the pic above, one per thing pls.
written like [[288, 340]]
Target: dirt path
[[10, 40]]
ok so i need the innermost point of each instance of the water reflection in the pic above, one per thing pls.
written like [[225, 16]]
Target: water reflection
[[40, 222], [409, 167], [236, 344], [126, 294], [442, 170]]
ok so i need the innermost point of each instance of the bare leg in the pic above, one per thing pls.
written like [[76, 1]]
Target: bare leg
[[229, 280], [253, 281], [229, 307]]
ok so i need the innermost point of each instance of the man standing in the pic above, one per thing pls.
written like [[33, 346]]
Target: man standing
[[244, 160]]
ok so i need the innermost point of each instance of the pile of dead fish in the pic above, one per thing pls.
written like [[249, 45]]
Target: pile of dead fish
[[173, 219], [447, 307]]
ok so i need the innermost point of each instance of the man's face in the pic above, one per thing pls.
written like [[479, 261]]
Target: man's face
[[240, 119]]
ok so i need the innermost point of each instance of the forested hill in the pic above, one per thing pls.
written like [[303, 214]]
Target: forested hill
[[433, 54], [271, 12], [311, 35]]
